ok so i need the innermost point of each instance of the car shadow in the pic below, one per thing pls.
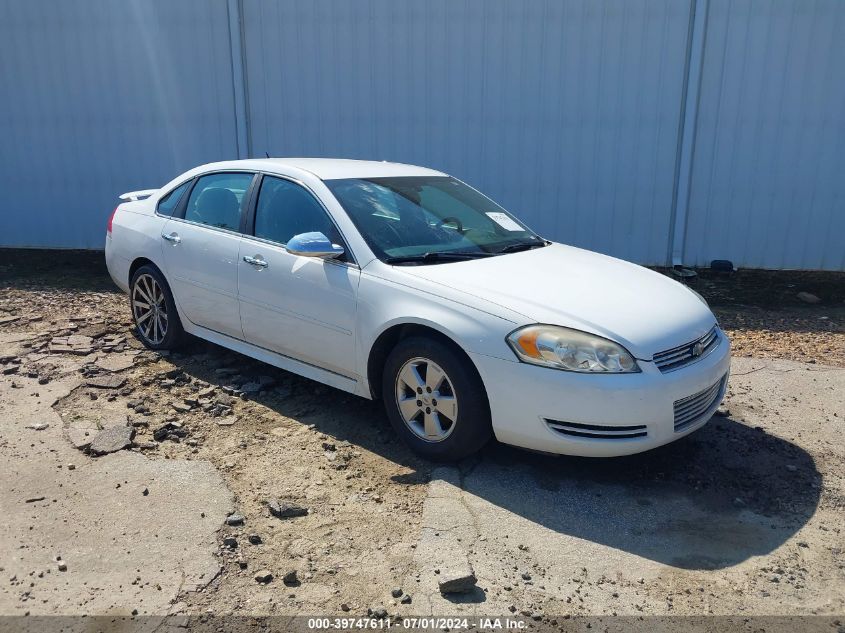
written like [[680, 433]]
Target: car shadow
[[724, 494]]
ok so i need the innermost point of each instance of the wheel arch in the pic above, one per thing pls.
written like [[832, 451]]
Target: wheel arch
[[146, 261], [137, 263], [390, 337], [177, 319]]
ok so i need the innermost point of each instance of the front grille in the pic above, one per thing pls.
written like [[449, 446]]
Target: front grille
[[597, 432], [693, 408], [687, 353]]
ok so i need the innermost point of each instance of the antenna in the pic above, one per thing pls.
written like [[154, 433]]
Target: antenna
[[267, 154]]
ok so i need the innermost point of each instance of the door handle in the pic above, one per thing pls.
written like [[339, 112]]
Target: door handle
[[255, 261], [172, 238]]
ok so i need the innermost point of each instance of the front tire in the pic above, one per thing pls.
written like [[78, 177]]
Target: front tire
[[153, 310], [435, 400]]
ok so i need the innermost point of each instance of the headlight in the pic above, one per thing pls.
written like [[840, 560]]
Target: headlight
[[570, 350]]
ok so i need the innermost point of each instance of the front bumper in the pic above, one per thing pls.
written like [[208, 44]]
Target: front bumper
[[581, 414]]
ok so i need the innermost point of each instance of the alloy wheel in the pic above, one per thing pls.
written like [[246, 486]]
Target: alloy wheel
[[426, 399], [149, 309]]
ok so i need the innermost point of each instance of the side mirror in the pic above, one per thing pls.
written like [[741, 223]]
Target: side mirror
[[313, 245]]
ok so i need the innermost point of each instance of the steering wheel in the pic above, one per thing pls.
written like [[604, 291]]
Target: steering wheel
[[451, 220]]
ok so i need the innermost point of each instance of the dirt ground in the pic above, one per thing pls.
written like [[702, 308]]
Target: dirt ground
[[767, 475]]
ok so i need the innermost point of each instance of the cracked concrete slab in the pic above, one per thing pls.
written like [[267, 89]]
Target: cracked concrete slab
[[447, 534], [117, 362], [107, 535], [730, 520]]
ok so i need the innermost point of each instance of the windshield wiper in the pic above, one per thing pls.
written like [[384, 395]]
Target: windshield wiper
[[435, 256], [521, 246]]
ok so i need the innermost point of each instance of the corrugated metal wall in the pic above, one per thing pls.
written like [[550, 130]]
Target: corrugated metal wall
[[100, 97], [640, 128], [768, 180], [564, 112]]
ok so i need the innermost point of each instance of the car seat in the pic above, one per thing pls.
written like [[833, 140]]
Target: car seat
[[219, 207]]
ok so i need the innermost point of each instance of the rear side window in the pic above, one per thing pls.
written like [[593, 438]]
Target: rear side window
[[217, 200], [167, 205]]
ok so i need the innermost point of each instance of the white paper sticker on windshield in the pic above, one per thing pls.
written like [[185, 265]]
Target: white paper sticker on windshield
[[504, 221]]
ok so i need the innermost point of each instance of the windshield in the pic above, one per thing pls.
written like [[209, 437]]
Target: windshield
[[417, 218]]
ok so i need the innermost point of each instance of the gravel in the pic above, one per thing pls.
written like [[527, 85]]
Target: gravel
[[379, 613], [264, 576]]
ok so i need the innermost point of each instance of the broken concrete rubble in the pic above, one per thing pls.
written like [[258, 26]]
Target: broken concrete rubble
[[460, 580], [285, 509], [112, 439], [106, 382]]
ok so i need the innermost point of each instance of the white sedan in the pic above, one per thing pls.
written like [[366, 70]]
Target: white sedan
[[402, 283]]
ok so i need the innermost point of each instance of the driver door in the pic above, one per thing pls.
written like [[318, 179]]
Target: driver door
[[297, 306]]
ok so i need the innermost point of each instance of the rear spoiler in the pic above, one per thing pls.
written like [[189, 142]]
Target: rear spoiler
[[138, 195]]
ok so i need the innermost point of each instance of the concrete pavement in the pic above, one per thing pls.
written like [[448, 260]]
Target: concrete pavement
[[108, 535], [742, 517]]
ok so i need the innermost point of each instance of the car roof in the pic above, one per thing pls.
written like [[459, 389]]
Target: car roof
[[327, 168]]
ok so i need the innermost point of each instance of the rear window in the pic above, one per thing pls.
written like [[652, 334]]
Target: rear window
[[167, 205]]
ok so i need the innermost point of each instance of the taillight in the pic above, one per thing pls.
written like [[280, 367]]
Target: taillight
[[111, 219]]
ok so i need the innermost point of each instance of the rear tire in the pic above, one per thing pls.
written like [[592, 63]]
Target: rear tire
[[435, 400], [153, 310]]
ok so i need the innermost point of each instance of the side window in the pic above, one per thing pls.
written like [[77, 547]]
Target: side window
[[285, 209], [168, 203], [216, 200]]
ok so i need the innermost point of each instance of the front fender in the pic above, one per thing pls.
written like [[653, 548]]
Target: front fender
[[383, 304]]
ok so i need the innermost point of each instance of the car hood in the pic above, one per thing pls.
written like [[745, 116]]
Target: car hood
[[562, 285]]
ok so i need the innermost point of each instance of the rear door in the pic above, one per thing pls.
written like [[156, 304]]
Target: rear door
[[200, 244], [301, 307]]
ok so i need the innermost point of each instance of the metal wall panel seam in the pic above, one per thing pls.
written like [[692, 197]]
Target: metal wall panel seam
[[239, 87], [697, 39]]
